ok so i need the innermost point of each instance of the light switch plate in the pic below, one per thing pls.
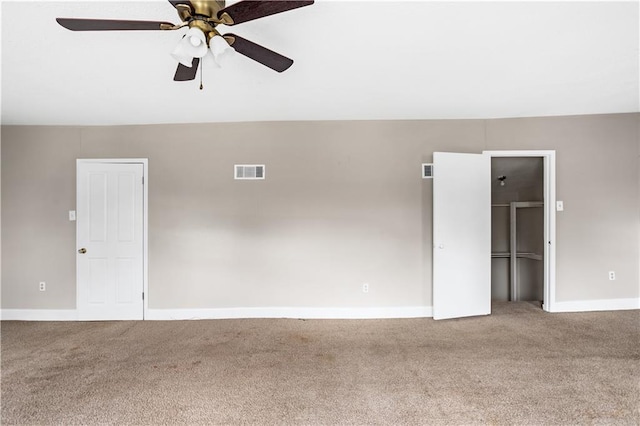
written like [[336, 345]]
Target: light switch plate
[[559, 206], [72, 215]]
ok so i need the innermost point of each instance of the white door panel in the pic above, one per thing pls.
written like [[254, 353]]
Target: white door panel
[[110, 229], [461, 235]]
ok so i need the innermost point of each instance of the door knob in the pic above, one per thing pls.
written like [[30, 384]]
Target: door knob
[[82, 250]]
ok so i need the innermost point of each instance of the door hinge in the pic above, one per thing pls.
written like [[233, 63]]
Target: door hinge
[[142, 296], [143, 180]]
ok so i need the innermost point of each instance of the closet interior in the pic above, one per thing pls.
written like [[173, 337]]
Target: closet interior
[[517, 229]]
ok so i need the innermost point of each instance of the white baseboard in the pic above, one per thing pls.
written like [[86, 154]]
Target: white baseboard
[[38, 315], [301, 313], [231, 313], [596, 305], [304, 313]]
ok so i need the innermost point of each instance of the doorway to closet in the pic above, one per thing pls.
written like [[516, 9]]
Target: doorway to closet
[[517, 229]]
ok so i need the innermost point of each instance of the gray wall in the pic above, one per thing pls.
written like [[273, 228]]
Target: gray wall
[[342, 204]]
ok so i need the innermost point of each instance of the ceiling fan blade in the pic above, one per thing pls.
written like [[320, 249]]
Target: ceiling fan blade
[[248, 10], [185, 73], [109, 24], [266, 57]]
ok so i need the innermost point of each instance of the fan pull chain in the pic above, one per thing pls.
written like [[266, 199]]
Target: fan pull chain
[[201, 75]]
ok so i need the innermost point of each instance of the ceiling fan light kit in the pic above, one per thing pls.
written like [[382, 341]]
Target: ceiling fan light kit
[[194, 45], [202, 17]]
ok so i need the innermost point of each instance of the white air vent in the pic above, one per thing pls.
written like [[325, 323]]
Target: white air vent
[[427, 170], [249, 171]]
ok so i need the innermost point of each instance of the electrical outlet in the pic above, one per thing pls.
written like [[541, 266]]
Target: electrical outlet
[[612, 275], [43, 286], [365, 288]]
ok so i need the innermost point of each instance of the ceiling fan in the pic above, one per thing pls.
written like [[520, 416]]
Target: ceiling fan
[[202, 17]]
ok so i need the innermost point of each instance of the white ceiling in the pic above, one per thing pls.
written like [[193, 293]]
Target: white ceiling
[[353, 60]]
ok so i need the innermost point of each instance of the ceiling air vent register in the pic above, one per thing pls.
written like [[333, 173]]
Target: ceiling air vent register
[[249, 171]]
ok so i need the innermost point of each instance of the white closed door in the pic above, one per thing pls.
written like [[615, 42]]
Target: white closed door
[[461, 235], [110, 279]]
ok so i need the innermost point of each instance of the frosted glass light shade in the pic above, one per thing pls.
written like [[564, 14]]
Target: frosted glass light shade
[[220, 49], [181, 54], [185, 51], [198, 41]]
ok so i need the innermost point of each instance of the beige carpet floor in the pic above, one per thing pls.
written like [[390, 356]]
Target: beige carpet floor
[[517, 366]]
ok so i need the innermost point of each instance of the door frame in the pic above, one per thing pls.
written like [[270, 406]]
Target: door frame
[[549, 191], [145, 220]]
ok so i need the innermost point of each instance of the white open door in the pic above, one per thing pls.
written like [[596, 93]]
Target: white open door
[[110, 271], [461, 235]]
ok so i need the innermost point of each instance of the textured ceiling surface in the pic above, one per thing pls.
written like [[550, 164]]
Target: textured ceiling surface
[[354, 60]]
